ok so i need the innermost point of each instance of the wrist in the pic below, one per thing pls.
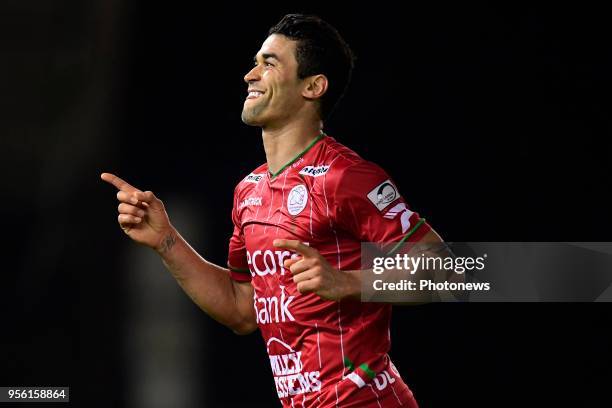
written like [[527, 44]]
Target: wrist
[[168, 239], [352, 285]]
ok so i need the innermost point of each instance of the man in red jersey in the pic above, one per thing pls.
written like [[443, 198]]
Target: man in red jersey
[[299, 220]]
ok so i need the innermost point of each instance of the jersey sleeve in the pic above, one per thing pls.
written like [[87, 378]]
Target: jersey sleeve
[[370, 207], [237, 256]]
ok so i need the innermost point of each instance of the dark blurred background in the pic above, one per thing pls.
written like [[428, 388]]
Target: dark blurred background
[[495, 123]]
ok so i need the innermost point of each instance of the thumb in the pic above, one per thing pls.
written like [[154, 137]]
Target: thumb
[[150, 199]]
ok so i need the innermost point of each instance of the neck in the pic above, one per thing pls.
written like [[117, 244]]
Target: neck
[[283, 144]]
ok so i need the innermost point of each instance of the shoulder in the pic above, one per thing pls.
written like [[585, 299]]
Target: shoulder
[[348, 169], [352, 180], [333, 160], [332, 151]]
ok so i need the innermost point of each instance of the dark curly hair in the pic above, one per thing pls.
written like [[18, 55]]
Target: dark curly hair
[[320, 50]]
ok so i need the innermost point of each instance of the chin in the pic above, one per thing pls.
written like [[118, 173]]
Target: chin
[[250, 118]]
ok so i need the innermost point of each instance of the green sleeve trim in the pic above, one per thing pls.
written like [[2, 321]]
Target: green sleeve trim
[[242, 270], [408, 235], [319, 137], [348, 364], [364, 367]]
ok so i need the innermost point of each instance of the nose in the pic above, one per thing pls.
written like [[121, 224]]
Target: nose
[[253, 75]]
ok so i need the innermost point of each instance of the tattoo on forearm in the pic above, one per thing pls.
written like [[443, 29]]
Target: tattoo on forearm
[[168, 242]]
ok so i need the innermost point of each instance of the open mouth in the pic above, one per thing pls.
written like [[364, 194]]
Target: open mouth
[[254, 94]]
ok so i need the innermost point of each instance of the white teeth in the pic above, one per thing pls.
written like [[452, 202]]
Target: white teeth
[[255, 94]]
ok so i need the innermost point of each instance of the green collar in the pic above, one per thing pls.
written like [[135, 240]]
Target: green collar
[[303, 152]]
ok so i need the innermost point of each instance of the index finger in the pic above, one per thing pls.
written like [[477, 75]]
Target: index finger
[[118, 182], [294, 245]]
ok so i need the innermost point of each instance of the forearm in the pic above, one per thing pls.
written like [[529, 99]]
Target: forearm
[[207, 284]]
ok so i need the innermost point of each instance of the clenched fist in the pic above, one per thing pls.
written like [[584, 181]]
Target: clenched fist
[[312, 273]]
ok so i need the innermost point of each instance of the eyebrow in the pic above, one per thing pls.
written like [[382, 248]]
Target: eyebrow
[[266, 56]]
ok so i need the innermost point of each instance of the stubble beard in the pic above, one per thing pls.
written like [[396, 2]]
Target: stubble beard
[[250, 114]]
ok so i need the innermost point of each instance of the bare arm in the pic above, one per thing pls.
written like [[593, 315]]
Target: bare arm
[[209, 285], [143, 218]]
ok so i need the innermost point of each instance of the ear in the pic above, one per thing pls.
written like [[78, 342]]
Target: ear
[[315, 86]]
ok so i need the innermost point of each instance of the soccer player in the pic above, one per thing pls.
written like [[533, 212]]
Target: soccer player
[[299, 220]]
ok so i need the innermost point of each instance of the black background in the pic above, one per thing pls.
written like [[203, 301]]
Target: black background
[[494, 123]]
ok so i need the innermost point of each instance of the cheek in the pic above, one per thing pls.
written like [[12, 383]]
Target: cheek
[[268, 77], [274, 80]]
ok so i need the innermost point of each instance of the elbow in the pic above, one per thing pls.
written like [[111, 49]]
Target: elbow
[[244, 327]]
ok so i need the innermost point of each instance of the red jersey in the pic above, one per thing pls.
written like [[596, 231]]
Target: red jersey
[[322, 353]]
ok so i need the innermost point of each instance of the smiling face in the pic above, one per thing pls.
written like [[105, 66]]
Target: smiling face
[[275, 93]]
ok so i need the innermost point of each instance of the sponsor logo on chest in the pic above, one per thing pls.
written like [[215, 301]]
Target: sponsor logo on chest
[[273, 309], [266, 264]]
